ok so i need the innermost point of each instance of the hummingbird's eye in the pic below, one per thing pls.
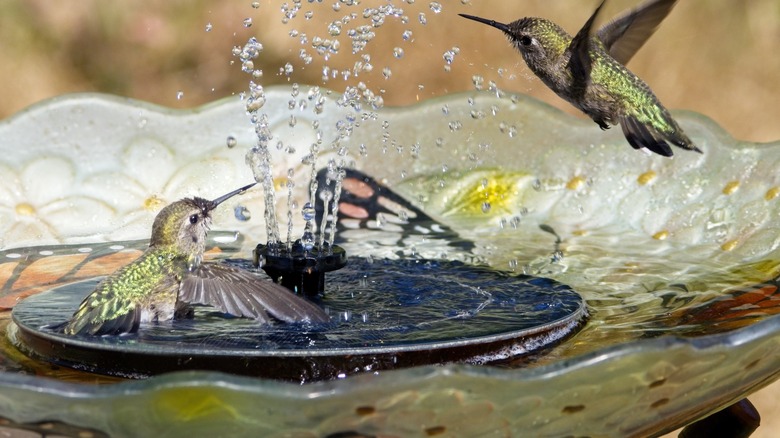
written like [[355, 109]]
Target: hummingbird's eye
[[525, 40], [194, 219]]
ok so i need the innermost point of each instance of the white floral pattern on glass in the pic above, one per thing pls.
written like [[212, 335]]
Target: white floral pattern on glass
[[35, 209]]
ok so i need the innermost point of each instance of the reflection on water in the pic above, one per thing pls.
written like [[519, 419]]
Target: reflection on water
[[631, 292]]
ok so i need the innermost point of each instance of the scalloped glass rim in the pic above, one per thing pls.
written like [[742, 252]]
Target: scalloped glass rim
[[518, 398], [29, 398]]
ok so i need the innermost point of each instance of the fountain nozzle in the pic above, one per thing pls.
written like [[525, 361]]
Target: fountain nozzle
[[301, 270]]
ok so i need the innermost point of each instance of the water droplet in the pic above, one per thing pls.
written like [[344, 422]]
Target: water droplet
[[435, 7], [449, 56], [248, 22], [231, 141], [326, 195], [179, 95], [209, 27], [386, 72], [242, 213], [478, 82], [308, 212], [398, 52], [307, 240], [407, 35], [422, 18], [485, 207], [256, 5]]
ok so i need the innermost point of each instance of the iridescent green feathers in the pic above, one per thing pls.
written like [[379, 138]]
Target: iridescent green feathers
[[120, 300], [169, 275], [588, 71]]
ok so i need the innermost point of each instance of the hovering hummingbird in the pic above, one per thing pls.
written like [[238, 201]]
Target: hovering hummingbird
[[169, 275], [589, 72]]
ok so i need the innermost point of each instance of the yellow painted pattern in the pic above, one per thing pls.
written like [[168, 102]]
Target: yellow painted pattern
[[731, 187], [661, 235], [646, 178]]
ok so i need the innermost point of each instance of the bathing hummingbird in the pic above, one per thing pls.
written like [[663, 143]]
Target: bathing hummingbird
[[169, 275], [589, 72]]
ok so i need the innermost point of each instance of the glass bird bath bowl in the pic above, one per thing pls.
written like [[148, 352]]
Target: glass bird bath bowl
[[674, 258]]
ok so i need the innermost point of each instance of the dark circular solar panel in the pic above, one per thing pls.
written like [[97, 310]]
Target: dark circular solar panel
[[384, 314]]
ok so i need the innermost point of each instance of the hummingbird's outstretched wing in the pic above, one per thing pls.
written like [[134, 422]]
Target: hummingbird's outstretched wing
[[624, 36], [242, 293], [580, 63]]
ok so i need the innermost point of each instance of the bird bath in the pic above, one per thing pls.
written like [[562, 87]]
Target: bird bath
[[673, 257]]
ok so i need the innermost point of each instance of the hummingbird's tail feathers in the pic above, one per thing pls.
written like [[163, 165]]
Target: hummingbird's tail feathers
[[681, 140], [241, 293], [640, 136], [91, 322]]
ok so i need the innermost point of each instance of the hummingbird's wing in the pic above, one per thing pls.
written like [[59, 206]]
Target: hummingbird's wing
[[242, 293], [580, 63], [624, 36]]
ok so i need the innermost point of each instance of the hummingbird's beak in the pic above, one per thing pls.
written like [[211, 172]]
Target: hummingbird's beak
[[501, 26], [224, 198]]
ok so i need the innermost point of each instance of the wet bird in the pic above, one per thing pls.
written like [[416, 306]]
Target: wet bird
[[169, 276], [589, 72]]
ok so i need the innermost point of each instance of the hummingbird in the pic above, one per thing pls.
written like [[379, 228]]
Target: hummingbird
[[170, 275], [589, 71]]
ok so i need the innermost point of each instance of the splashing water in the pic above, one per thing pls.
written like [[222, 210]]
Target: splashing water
[[259, 158], [357, 29]]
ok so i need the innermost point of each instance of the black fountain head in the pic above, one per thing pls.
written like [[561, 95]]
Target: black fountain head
[[300, 270]]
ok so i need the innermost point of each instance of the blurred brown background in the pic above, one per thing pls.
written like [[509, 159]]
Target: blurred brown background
[[717, 57]]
